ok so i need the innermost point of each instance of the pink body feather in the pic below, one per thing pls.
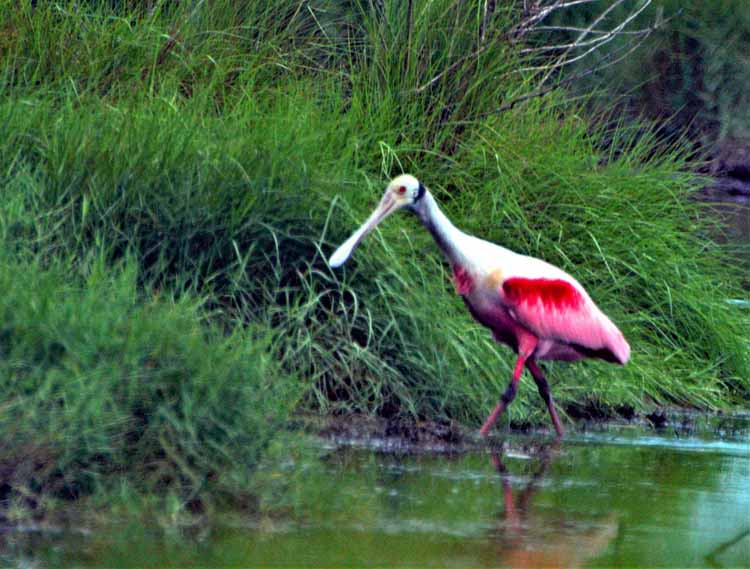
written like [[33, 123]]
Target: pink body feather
[[562, 317]]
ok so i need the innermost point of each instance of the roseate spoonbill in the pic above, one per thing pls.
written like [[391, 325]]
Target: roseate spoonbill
[[538, 310]]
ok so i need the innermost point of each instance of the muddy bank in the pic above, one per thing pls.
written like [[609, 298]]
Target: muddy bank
[[403, 436], [729, 198], [728, 189]]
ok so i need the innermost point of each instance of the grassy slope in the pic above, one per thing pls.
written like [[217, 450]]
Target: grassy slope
[[205, 180]]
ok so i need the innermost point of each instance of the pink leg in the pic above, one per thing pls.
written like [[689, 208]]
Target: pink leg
[[543, 386], [526, 345], [507, 397]]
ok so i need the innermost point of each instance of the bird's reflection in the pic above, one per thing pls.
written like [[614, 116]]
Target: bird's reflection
[[530, 537]]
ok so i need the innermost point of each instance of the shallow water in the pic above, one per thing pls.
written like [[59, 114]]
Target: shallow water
[[620, 497]]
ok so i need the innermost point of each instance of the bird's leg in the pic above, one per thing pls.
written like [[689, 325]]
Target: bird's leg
[[526, 345], [541, 383], [506, 398]]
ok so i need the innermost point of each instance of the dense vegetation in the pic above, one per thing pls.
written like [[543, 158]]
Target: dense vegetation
[[691, 72], [174, 175]]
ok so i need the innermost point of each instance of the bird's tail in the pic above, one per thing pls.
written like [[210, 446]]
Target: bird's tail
[[618, 345]]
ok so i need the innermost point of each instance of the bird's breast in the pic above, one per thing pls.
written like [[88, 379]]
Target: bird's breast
[[470, 280], [463, 280], [482, 290], [486, 305]]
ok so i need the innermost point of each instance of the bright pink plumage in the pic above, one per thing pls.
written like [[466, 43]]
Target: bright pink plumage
[[552, 294], [556, 310]]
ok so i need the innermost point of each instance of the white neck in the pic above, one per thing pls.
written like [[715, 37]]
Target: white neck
[[447, 236]]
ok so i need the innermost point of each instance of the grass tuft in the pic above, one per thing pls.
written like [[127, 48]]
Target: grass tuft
[[100, 381]]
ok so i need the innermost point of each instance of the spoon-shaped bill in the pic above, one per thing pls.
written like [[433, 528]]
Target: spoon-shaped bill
[[341, 255]]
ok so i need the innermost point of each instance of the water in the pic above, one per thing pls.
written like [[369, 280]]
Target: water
[[616, 498]]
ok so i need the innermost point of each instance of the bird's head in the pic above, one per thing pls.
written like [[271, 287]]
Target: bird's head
[[403, 191]]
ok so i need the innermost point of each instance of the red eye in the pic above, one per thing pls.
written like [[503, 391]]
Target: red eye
[[401, 190]]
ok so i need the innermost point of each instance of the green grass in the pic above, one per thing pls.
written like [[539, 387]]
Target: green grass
[[100, 381], [174, 179]]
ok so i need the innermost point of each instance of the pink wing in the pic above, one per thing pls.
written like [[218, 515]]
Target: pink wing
[[555, 309]]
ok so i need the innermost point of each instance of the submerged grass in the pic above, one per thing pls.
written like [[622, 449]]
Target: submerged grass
[[174, 178]]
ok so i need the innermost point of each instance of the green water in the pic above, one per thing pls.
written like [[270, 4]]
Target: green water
[[623, 498]]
